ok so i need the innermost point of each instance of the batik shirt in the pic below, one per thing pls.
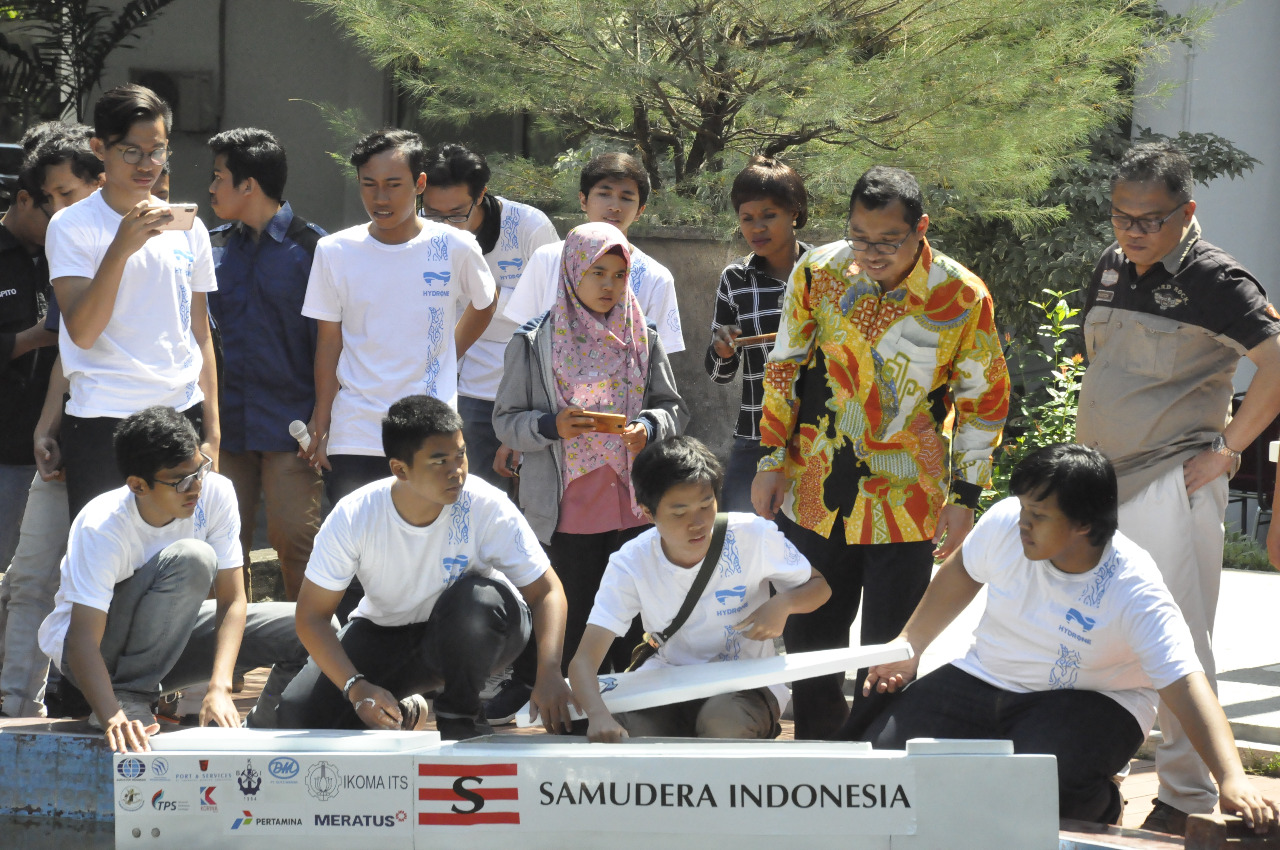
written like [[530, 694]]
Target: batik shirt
[[861, 384]]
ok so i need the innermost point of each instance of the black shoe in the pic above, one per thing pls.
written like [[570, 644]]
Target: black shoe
[[512, 696], [461, 728], [1165, 818]]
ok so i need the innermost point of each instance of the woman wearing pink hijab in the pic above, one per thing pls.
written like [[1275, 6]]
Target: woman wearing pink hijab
[[593, 352]]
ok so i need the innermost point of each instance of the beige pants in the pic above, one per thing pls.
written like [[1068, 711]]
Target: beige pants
[[745, 714], [1184, 536]]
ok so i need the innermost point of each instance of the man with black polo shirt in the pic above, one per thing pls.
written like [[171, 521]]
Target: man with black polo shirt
[[1167, 318]]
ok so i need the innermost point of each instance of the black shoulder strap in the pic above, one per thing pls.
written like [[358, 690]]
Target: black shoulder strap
[[704, 576], [303, 233]]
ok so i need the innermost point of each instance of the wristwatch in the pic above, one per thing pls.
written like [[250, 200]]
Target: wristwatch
[[1219, 446]]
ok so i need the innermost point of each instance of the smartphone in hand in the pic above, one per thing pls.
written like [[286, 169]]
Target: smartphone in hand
[[184, 216]]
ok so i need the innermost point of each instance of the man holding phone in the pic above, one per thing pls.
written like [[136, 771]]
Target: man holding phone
[[132, 290]]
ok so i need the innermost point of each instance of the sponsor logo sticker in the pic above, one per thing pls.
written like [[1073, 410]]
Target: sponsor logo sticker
[[131, 799], [468, 794], [131, 768], [283, 768], [323, 781]]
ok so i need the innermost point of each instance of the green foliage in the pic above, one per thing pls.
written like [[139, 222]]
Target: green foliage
[[52, 53], [1071, 228], [988, 100], [1045, 413], [1243, 552]]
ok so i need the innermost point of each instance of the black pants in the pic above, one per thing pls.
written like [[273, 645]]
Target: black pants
[[889, 578], [1091, 735], [478, 626], [89, 455], [347, 474]]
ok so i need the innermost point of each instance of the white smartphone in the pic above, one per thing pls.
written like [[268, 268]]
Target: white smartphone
[[184, 216]]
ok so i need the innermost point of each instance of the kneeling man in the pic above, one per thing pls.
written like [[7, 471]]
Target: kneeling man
[[131, 621], [1078, 629], [454, 582]]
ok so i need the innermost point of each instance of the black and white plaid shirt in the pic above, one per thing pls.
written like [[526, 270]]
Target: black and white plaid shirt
[[750, 299]]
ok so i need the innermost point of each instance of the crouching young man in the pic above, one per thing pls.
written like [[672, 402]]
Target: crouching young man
[[454, 582], [677, 482], [1078, 636], [131, 621]]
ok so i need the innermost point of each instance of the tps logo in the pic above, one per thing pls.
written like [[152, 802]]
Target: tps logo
[[732, 594], [131, 768], [1086, 623], [508, 265], [442, 277], [160, 804], [283, 768], [207, 803], [468, 794]]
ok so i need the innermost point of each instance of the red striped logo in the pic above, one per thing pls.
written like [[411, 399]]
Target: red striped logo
[[467, 794]]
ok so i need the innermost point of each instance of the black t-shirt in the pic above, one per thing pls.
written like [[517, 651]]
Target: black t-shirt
[[24, 298]]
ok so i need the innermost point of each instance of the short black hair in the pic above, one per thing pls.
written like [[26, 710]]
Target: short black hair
[[406, 141], [881, 185], [67, 143], [255, 153], [1156, 162], [153, 439], [614, 166], [123, 106], [766, 178], [38, 134], [1083, 480], [669, 463], [413, 419], [451, 164]]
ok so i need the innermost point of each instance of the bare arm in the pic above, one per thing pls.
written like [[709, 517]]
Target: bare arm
[[766, 622], [84, 657], [1197, 709], [208, 375], [30, 339], [951, 590], [602, 728], [228, 625], [48, 453], [471, 325], [1257, 411], [328, 350], [551, 697], [377, 708]]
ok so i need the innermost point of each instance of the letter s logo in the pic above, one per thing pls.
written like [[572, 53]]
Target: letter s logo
[[477, 801]]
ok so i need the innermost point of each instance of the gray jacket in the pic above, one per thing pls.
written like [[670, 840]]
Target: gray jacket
[[527, 394]]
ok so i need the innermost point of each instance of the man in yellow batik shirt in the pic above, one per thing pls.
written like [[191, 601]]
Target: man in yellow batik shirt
[[885, 395]]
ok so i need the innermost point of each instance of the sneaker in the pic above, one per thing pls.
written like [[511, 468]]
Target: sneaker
[[512, 696], [1165, 818], [461, 728], [414, 711], [135, 706]]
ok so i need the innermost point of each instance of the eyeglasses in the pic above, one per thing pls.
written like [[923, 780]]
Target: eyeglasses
[[1124, 223], [133, 155], [885, 248], [452, 219], [184, 484]]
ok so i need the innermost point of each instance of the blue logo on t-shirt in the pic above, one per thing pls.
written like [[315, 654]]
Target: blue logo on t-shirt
[[438, 249], [510, 224], [460, 521], [435, 336], [729, 594], [1086, 623], [454, 568], [1065, 670], [729, 562], [508, 265], [443, 277], [638, 270]]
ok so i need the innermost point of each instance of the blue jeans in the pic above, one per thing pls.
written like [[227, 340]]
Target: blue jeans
[[482, 442], [160, 634], [476, 628], [1091, 735]]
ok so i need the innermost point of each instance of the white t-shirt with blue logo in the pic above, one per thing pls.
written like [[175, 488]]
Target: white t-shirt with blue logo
[[110, 540], [641, 580], [524, 230], [404, 568], [653, 285], [397, 305], [1114, 629], [147, 354]]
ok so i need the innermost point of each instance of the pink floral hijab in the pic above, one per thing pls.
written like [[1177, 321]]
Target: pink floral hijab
[[599, 364]]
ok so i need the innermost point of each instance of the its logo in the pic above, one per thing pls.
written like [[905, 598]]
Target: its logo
[[508, 265], [443, 277], [249, 780], [159, 767], [131, 768], [1086, 623], [283, 768], [244, 821], [607, 683], [323, 781], [207, 803], [131, 799], [729, 595], [468, 794]]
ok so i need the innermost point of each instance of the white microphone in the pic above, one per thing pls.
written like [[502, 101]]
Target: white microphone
[[298, 430]]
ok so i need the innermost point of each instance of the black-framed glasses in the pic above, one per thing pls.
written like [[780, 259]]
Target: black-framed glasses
[[884, 248], [184, 484], [1124, 223], [133, 155], [453, 218]]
